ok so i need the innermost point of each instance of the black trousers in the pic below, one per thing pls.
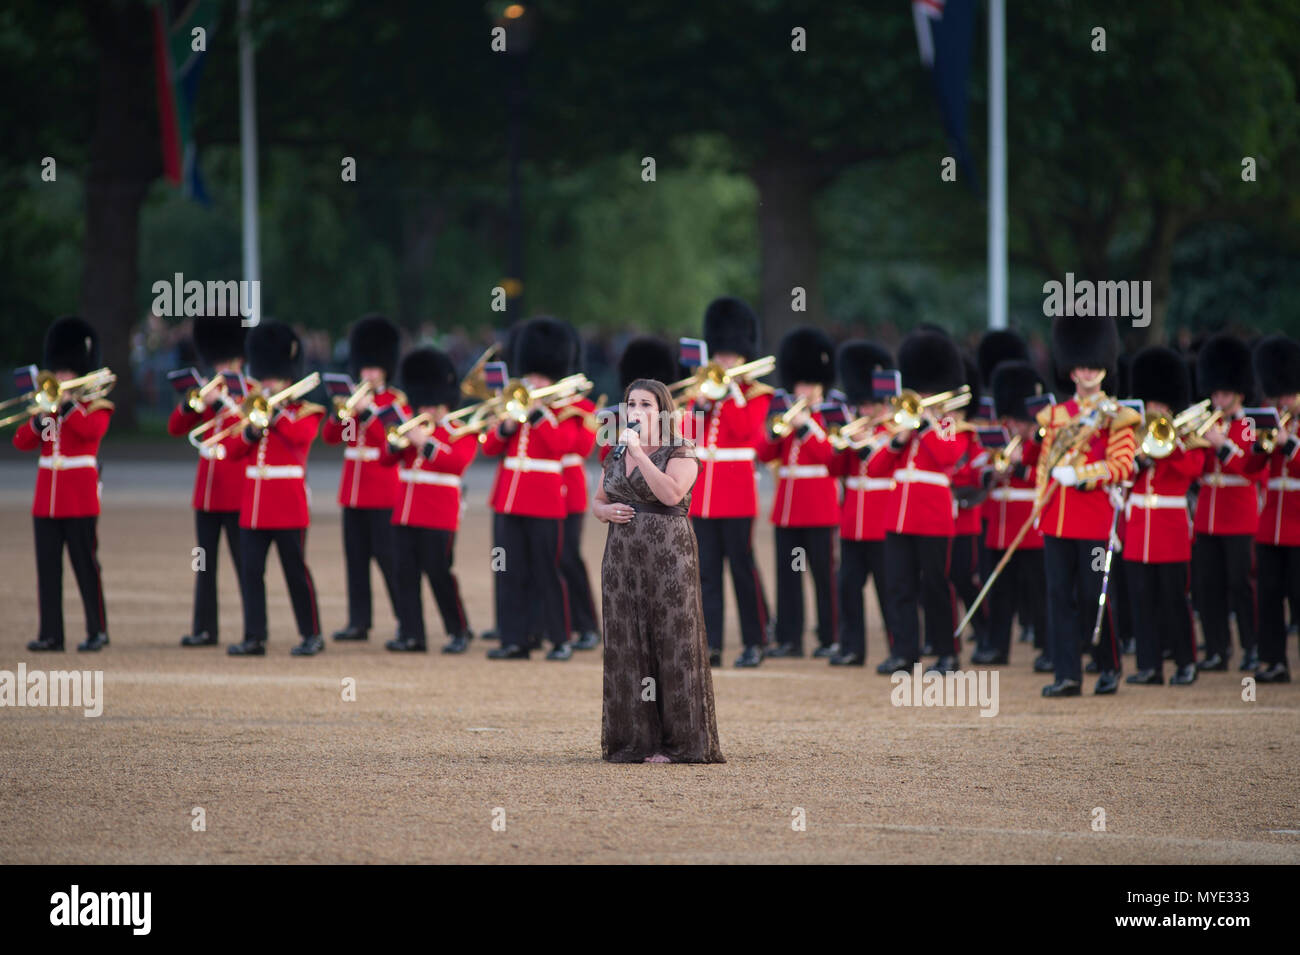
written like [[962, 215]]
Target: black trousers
[[582, 607], [80, 535], [367, 535], [918, 578], [1020, 588], [1162, 612], [291, 545], [1279, 583], [1118, 597], [860, 561], [1222, 571], [799, 549], [530, 589], [729, 539], [1073, 588], [208, 526], [963, 571], [426, 552]]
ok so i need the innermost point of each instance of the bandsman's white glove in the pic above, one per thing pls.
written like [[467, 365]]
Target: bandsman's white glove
[[1065, 475]]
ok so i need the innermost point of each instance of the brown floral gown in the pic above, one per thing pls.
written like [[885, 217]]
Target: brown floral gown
[[654, 627]]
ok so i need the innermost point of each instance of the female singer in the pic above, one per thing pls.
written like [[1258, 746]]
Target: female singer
[[658, 705]]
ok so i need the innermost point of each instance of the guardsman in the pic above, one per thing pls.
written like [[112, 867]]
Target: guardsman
[[578, 419], [1157, 532], [967, 560], [65, 508], [1277, 540], [219, 483], [920, 518], [805, 507], [646, 356], [1008, 506], [862, 517], [1227, 507], [1078, 518], [367, 489], [275, 508], [529, 496], [429, 459], [724, 501]]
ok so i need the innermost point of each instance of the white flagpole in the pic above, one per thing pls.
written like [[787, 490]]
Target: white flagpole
[[248, 145], [997, 165]]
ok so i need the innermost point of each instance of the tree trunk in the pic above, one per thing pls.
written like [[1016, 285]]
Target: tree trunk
[[124, 160], [1156, 266], [787, 186]]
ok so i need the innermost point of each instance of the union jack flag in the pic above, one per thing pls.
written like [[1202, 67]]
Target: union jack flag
[[694, 352]]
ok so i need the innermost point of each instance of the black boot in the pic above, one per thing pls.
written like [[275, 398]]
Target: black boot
[[406, 645], [508, 653], [1214, 664], [93, 644], [587, 640], [352, 633], [44, 646], [1146, 678], [251, 647], [1185, 676], [1063, 688], [749, 657], [895, 665], [459, 642], [309, 647], [204, 639], [1273, 673], [1107, 683]]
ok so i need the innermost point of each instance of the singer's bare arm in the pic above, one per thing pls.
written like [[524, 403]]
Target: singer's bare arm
[[669, 486]]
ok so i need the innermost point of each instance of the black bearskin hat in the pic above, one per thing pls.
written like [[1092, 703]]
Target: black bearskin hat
[[542, 347], [856, 361], [648, 357], [274, 351], [1079, 342], [575, 348], [806, 354], [929, 363], [71, 345], [429, 378], [1013, 383], [998, 346], [1160, 374], [373, 343], [976, 382], [1223, 364], [219, 339], [731, 325], [1277, 366]]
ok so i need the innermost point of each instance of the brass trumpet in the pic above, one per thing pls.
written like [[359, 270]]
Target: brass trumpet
[[713, 381], [345, 408], [256, 409], [49, 393]]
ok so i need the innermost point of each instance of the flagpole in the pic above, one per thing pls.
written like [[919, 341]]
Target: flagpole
[[248, 145], [997, 239]]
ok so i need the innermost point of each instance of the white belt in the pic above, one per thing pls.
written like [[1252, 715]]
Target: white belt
[[571, 461], [533, 464], [725, 454], [274, 471], [59, 462], [1284, 484], [868, 484], [803, 471], [360, 454], [1157, 502], [1224, 480], [916, 475], [1013, 494], [413, 476]]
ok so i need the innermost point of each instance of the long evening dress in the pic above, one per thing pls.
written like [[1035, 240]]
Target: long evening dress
[[654, 627]]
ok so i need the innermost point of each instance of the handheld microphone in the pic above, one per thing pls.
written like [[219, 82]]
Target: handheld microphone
[[622, 448]]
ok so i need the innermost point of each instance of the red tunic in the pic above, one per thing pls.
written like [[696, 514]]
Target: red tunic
[[1228, 502], [866, 498], [1279, 521], [219, 481], [429, 486], [1156, 527], [725, 437], [579, 422], [1084, 512], [365, 482], [969, 474], [921, 501], [275, 468], [67, 479], [1010, 503], [529, 481], [806, 493]]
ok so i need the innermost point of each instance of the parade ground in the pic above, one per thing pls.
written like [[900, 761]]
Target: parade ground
[[202, 758]]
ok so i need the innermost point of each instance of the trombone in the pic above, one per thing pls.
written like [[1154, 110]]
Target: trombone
[[345, 408], [49, 393], [194, 398], [780, 426], [474, 384], [713, 381], [1001, 460], [1160, 434], [397, 435], [1267, 439], [909, 407], [515, 400], [256, 409]]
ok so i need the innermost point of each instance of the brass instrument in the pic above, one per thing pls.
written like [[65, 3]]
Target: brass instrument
[[345, 408], [1158, 437], [49, 393], [256, 409], [713, 381], [195, 397], [397, 436], [780, 426], [1001, 459], [225, 399], [473, 385], [1267, 439], [842, 438], [909, 407], [515, 400]]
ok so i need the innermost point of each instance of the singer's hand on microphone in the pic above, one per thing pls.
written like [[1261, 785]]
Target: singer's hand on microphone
[[630, 438]]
